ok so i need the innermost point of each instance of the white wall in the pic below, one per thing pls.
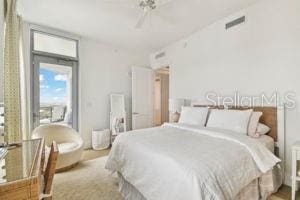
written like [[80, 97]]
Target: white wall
[[260, 56], [103, 70]]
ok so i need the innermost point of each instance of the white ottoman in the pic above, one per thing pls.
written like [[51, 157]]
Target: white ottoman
[[100, 139], [70, 144]]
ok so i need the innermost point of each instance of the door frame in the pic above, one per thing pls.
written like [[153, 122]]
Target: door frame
[[162, 71], [35, 88]]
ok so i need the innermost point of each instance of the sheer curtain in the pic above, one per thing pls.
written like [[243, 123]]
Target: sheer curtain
[[1, 69], [12, 93], [24, 88]]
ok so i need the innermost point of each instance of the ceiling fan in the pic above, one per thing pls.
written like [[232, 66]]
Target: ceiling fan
[[147, 7]]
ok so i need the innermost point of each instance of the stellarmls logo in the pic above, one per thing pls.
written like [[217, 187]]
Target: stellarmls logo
[[288, 100]]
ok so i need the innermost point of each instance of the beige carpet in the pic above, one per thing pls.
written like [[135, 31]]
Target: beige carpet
[[87, 181], [91, 154]]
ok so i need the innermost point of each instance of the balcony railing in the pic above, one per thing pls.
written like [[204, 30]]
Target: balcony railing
[[52, 113]]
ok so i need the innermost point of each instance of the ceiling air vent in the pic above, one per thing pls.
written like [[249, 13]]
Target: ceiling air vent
[[160, 55], [235, 22]]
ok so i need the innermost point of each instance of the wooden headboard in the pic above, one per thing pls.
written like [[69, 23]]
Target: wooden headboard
[[268, 118]]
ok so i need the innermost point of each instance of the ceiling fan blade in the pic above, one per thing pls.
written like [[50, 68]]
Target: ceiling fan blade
[[163, 16], [160, 3], [123, 3], [142, 19]]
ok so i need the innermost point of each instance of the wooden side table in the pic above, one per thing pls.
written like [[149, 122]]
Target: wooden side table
[[295, 175]]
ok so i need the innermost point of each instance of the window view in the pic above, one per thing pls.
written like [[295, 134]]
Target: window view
[[55, 94]]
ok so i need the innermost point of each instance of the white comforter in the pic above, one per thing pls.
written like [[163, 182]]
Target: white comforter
[[180, 162]]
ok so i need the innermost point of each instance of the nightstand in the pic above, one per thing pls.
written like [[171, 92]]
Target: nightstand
[[295, 172]]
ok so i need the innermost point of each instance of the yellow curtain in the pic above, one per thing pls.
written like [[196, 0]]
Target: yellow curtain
[[12, 105]]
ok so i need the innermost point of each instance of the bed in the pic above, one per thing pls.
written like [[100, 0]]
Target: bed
[[181, 161]]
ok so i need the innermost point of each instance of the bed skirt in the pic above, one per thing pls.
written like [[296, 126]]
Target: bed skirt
[[259, 189]]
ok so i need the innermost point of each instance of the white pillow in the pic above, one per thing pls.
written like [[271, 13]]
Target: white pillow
[[262, 129], [193, 116], [233, 120]]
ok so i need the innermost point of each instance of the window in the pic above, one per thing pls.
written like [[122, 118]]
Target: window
[[44, 42], [54, 79]]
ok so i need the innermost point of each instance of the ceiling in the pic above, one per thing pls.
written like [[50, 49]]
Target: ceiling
[[113, 21]]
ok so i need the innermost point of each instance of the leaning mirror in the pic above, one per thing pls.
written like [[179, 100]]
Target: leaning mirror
[[117, 114]]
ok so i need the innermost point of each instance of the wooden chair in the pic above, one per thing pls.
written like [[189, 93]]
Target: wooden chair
[[49, 173]]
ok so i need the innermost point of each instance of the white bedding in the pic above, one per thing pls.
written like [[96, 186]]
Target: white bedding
[[184, 162], [267, 141]]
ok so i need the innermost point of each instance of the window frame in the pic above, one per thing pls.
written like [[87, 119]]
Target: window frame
[[43, 53], [53, 32]]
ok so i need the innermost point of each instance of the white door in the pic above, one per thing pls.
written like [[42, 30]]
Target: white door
[[142, 97]]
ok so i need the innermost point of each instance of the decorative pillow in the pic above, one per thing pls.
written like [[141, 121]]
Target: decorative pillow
[[233, 120], [262, 129], [193, 116], [253, 123]]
